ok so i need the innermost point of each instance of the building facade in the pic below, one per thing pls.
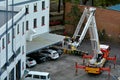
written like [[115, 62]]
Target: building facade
[[31, 19]]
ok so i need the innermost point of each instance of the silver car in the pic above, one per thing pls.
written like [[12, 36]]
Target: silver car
[[30, 62]]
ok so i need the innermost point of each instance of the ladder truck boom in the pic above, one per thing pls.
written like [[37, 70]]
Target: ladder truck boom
[[100, 52], [80, 23]]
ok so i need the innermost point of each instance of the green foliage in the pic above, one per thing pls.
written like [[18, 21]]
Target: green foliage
[[105, 3], [74, 16], [73, 1], [102, 35]]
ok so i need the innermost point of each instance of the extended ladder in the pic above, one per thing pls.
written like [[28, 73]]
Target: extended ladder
[[80, 23]]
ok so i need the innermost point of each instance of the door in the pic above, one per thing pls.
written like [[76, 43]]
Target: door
[[18, 70], [11, 75]]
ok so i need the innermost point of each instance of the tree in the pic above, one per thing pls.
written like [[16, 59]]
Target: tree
[[73, 18], [106, 3]]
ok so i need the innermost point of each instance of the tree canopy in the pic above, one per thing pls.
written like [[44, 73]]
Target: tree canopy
[[105, 3]]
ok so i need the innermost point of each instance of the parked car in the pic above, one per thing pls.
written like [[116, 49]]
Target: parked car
[[51, 53], [30, 62], [60, 51], [35, 75], [38, 57]]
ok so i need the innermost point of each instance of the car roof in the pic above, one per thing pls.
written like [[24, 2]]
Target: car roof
[[38, 73]]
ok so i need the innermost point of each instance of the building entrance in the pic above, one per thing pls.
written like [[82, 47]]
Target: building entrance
[[18, 70]]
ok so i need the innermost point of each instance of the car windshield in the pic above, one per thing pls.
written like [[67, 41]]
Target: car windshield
[[30, 59]]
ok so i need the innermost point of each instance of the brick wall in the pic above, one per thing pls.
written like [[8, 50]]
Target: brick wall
[[108, 20]]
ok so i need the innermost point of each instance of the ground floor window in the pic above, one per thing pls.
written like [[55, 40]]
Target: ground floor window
[[11, 75], [43, 20], [5, 78]]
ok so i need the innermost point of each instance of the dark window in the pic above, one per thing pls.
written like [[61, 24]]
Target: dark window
[[5, 78], [3, 43], [23, 28], [27, 26], [35, 7], [22, 49], [11, 59], [8, 38], [13, 33], [36, 76], [29, 75], [43, 77], [22, 65], [3, 68], [48, 76], [43, 5], [35, 23], [43, 20], [18, 50], [27, 9], [18, 29]]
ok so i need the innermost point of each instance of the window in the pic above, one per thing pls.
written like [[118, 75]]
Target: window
[[43, 5], [27, 9], [35, 23], [13, 33], [5, 78], [43, 20], [22, 65], [3, 43], [11, 75], [8, 38], [36, 76], [48, 76], [43, 77], [3, 68], [18, 29], [27, 25], [23, 28], [35, 7], [18, 51], [22, 49], [29, 76]]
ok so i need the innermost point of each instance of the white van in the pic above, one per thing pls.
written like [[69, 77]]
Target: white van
[[35, 75]]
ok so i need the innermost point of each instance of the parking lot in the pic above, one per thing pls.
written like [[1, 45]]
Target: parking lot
[[63, 67]]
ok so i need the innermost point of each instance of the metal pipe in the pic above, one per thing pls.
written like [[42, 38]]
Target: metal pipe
[[13, 28], [7, 33]]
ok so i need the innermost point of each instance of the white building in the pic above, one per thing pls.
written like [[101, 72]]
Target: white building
[[31, 17]]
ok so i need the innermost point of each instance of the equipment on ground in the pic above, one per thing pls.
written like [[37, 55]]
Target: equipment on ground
[[100, 52]]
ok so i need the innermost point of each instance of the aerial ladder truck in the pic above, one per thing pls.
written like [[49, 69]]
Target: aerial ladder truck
[[101, 52]]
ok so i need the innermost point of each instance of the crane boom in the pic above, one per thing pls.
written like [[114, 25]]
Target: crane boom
[[80, 23], [101, 52], [91, 26]]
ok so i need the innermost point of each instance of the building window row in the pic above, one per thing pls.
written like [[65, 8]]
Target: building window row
[[34, 7], [18, 29]]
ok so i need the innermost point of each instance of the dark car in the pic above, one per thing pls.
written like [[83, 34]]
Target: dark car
[[38, 57]]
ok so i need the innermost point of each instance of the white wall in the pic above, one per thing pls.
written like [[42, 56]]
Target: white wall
[[20, 39], [38, 15]]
